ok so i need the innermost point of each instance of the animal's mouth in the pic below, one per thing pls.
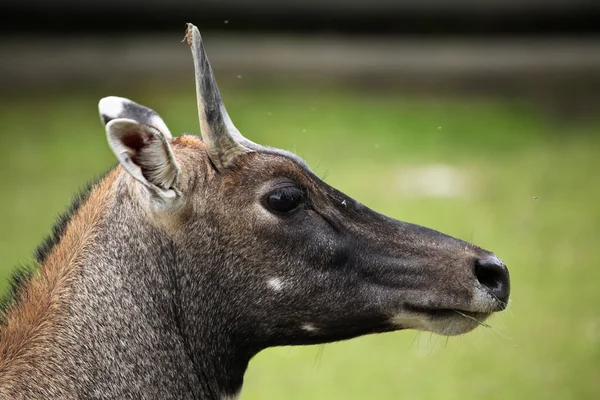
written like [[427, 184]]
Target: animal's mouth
[[447, 312]]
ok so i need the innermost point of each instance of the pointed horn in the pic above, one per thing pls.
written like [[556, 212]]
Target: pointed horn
[[223, 141]]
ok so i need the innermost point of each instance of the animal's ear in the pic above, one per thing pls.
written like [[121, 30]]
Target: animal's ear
[[113, 107], [146, 155]]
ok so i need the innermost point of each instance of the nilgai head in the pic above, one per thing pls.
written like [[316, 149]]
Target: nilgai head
[[284, 257]]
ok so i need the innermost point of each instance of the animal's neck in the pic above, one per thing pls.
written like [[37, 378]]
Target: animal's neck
[[33, 340], [120, 312], [140, 324]]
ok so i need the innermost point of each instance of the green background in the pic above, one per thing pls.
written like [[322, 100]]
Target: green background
[[529, 193]]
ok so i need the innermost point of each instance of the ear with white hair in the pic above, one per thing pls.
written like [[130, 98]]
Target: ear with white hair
[[113, 107], [146, 155]]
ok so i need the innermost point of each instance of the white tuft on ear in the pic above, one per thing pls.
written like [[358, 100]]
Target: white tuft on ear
[[145, 154], [113, 107]]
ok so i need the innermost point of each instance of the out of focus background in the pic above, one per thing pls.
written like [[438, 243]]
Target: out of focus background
[[479, 119]]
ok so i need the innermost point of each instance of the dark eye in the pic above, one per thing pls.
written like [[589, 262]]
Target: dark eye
[[284, 200]]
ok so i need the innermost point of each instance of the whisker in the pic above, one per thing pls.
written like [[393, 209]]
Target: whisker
[[318, 357], [287, 353], [414, 340], [432, 347], [504, 303], [496, 336], [473, 318], [429, 343], [500, 301], [501, 332]]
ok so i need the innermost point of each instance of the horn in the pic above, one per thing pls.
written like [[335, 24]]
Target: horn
[[223, 141]]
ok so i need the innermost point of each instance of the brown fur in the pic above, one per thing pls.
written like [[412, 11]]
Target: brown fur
[[188, 141], [28, 342]]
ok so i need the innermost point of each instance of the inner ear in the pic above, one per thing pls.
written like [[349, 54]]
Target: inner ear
[[145, 154], [136, 142]]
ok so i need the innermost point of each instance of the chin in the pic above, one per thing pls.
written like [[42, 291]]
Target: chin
[[446, 322], [456, 324]]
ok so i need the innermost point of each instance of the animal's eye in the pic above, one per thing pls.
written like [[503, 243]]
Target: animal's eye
[[284, 200]]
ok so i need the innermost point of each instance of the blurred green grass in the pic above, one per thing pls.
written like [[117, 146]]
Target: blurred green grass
[[535, 201]]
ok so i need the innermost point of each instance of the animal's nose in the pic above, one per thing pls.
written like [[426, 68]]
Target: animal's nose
[[493, 274]]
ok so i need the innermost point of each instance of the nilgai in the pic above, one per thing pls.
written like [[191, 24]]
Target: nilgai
[[171, 272]]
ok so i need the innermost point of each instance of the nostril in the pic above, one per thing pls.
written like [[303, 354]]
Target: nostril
[[488, 276], [493, 274]]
